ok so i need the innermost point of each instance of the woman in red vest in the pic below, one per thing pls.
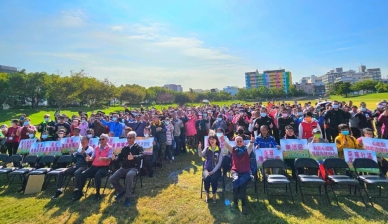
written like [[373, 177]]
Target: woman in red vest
[[307, 126]]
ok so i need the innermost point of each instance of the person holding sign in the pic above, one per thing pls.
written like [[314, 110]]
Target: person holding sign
[[77, 169], [212, 166], [317, 137], [383, 163], [345, 140], [101, 158], [241, 169], [130, 158], [264, 140]]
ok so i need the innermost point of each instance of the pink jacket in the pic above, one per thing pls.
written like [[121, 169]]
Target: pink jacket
[[384, 127], [190, 127]]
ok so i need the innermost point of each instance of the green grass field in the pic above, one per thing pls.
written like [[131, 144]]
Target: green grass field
[[36, 115], [173, 196]]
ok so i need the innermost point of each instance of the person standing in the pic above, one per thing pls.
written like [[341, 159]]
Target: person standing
[[200, 125], [130, 158], [158, 130], [383, 120], [47, 125], [13, 137], [115, 125], [169, 138], [333, 118], [178, 125], [376, 114], [307, 126], [24, 131], [184, 120]]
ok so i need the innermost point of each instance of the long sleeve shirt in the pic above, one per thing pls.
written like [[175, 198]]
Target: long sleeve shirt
[[115, 127], [202, 153]]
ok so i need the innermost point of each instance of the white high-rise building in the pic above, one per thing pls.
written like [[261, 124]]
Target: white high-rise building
[[174, 87]]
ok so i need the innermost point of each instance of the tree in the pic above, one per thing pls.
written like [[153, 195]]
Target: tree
[[36, 87], [165, 98], [243, 94], [61, 91], [366, 85], [345, 88], [133, 94], [181, 98]]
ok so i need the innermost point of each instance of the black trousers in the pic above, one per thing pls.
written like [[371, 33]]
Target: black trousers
[[331, 134], [98, 172], [213, 181], [12, 147]]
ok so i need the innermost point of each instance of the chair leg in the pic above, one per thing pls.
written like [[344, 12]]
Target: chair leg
[[292, 195], [327, 194], [331, 185], [106, 182], [301, 192], [10, 181], [201, 187], [363, 197]]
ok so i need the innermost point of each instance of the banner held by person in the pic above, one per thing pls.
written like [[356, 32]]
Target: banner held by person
[[351, 154], [377, 145], [93, 142], [146, 143], [294, 148], [118, 144], [53, 148], [25, 146], [262, 154], [69, 144], [321, 151]]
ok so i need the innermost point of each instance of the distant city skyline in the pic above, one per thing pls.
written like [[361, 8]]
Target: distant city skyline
[[195, 44]]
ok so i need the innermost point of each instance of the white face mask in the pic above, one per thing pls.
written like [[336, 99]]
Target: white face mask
[[90, 135], [60, 135], [30, 135], [146, 135]]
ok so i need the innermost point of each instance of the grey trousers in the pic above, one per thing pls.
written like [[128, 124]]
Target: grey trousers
[[129, 175]]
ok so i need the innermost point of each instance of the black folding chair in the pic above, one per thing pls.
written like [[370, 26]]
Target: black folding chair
[[220, 190], [15, 160], [22, 172], [3, 158], [46, 163], [65, 161], [379, 179], [309, 180], [276, 179], [339, 180]]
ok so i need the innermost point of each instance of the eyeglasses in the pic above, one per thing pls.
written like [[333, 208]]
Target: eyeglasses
[[102, 139], [239, 141], [130, 137]]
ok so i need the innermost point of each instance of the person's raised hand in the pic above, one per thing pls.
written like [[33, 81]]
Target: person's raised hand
[[130, 156]]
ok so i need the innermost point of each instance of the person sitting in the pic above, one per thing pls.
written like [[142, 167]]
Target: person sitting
[[383, 163], [101, 158], [212, 166], [130, 158], [241, 170], [344, 140], [76, 170], [317, 137], [264, 140], [290, 134]]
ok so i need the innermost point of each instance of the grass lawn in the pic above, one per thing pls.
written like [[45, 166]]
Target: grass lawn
[[173, 196]]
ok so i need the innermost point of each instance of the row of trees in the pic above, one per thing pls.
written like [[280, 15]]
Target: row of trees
[[345, 88], [263, 92], [21, 88]]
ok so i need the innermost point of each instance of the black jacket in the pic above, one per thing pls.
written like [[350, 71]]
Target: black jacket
[[137, 153], [335, 117], [283, 122]]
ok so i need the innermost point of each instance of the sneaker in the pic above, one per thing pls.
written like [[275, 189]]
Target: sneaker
[[97, 197], [127, 202], [57, 194], [119, 195]]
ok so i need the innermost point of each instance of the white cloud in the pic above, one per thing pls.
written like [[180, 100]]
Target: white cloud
[[118, 28], [73, 19]]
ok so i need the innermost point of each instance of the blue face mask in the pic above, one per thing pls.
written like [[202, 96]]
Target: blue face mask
[[335, 106], [363, 109], [30, 135], [46, 119], [21, 118], [219, 119], [345, 132], [44, 136], [219, 134], [26, 123], [263, 114], [114, 119]]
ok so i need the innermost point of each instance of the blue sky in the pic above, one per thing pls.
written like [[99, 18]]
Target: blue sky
[[199, 44]]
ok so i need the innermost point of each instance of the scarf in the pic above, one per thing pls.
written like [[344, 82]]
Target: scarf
[[241, 150]]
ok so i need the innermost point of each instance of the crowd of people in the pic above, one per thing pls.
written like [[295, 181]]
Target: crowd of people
[[179, 129]]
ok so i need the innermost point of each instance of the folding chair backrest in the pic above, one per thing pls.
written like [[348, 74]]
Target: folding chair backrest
[[253, 162], [65, 159], [3, 157], [331, 163], [365, 163], [274, 163], [30, 159], [15, 159], [46, 160], [306, 163]]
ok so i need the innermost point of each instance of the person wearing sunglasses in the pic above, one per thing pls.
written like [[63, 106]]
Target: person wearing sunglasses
[[130, 158], [101, 158]]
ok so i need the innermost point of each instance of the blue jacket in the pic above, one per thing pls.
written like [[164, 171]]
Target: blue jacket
[[115, 127], [268, 142]]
